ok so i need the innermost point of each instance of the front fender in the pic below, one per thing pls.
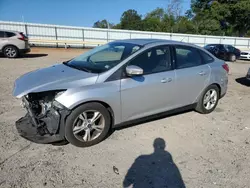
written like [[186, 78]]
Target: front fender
[[107, 92]]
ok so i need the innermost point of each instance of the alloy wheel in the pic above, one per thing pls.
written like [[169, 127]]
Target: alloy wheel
[[10, 52], [210, 99], [88, 125]]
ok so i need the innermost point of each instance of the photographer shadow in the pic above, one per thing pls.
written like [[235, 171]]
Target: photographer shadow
[[155, 170]]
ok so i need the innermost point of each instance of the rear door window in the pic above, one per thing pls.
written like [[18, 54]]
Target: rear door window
[[9, 34], [206, 57], [187, 57]]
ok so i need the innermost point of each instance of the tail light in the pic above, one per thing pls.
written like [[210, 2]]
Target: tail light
[[226, 67], [23, 37]]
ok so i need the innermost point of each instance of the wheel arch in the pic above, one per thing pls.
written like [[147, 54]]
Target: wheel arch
[[106, 105], [218, 85], [205, 88], [10, 45]]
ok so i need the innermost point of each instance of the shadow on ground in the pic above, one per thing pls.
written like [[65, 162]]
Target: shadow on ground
[[243, 81], [155, 170], [26, 56], [33, 55]]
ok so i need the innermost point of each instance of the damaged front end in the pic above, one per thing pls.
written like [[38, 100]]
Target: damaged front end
[[44, 122]]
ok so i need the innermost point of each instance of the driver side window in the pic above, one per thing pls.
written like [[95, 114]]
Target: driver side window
[[157, 59]]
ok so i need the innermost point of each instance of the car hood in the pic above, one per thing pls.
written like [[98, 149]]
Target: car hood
[[56, 77]]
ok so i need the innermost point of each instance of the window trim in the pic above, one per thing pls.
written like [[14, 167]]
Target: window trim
[[175, 56]]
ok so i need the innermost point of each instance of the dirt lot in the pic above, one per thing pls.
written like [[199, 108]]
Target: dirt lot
[[207, 150]]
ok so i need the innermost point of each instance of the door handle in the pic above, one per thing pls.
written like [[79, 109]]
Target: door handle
[[165, 80], [202, 73]]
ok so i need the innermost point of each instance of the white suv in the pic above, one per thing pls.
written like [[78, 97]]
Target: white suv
[[13, 44]]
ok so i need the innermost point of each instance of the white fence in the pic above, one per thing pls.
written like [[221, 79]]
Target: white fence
[[57, 32]]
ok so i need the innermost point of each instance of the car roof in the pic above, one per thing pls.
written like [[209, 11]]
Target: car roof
[[214, 44], [219, 44], [9, 31], [144, 42]]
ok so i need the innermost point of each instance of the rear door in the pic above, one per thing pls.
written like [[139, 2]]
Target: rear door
[[192, 75]]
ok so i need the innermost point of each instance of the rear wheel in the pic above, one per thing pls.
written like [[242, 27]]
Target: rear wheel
[[232, 58], [87, 125], [10, 51], [209, 100]]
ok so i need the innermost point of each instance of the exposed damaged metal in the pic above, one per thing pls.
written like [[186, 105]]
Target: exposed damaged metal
[[44, 119]]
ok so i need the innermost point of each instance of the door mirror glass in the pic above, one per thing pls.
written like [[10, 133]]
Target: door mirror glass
[[133, 70]]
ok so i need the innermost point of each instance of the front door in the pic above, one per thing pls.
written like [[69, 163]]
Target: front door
[[192, 76], [152, 92]]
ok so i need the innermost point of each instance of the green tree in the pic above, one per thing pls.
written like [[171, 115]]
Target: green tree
[[103, 24], [153, 20], [240, 17], [184, 25], [152, 24], [168, 23], [131, 20], [157, 13], [230, 17]]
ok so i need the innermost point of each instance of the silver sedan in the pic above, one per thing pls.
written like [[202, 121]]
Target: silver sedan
[[82, 99]]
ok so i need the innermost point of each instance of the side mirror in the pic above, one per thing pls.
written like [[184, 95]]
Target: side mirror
[[133, 70]]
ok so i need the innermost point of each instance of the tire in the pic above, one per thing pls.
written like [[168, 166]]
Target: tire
[[232, 58], [201, 103], [10, 52], [74, 121]]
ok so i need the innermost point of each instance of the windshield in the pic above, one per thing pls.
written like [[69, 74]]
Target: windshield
[[103, 58]]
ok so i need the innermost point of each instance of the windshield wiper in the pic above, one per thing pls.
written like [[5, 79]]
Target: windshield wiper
[[84, 69], [76, 67]]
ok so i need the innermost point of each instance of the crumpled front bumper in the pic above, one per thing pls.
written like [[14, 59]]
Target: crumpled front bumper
[[46, 130], [32, 133]]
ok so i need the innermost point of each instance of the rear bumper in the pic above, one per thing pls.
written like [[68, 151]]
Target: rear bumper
[[24, 51]]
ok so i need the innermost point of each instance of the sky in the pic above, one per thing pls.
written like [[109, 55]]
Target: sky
[[76, 12]]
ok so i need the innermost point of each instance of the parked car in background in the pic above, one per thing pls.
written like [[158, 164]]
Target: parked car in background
[[224, 51], [82, 99], [13, 44], [245, 55]]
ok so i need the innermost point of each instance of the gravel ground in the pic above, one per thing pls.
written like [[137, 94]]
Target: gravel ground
[[201, 150]]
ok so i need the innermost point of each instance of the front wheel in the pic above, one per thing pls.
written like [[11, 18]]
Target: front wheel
[[209, 100], [87, 125], [232, 58]]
